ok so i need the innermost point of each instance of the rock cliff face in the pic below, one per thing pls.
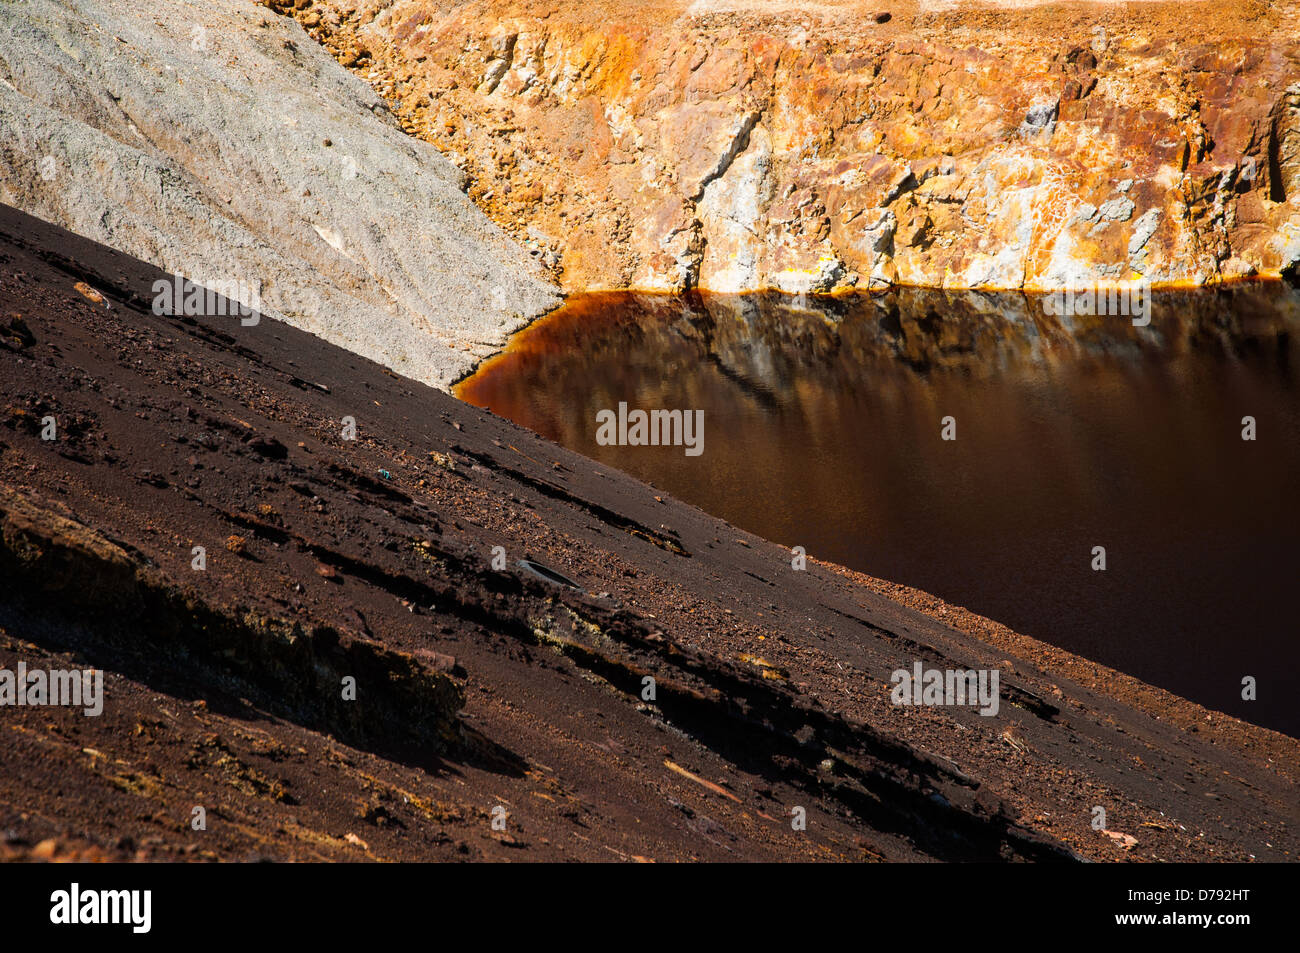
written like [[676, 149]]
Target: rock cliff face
[[217, 140], [820, 146]]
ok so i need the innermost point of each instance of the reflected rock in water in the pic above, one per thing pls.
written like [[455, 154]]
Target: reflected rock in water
[[771, 345], [823, 419]]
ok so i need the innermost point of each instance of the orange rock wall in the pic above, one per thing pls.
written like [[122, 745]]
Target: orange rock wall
[[818, 147]]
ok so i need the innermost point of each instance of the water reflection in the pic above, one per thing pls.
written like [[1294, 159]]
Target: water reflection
[[823, 429]]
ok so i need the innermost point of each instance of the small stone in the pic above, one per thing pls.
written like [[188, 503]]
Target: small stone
[[1125, 841], [1116, 210], [89, 293], [441, 662]]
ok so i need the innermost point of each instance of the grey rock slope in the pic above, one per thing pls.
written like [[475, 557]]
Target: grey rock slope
[[215, 139]]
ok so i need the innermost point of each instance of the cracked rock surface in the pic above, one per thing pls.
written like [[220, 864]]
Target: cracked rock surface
[[741, 145]]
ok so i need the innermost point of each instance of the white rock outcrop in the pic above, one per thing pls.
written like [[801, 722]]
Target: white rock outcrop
[[217, 140]]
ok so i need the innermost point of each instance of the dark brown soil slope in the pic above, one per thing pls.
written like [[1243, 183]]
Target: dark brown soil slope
[[329, 559]]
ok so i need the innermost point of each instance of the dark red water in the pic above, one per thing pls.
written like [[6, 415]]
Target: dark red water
[[822, 429]]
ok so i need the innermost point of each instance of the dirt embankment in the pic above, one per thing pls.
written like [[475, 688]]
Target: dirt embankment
[[819, 146], [488, 689]]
